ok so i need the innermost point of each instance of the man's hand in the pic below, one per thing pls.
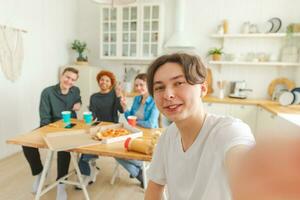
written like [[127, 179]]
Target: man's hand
[[269, 171], [76, 106]]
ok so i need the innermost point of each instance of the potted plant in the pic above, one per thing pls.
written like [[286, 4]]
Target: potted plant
[[216, 53], [80, 48]]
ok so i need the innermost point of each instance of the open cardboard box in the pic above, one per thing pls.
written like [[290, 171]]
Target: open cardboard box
[[65, 140], [134, 132]]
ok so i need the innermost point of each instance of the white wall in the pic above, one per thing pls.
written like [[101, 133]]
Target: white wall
[[202, 18], [210, 13], [52, 26]]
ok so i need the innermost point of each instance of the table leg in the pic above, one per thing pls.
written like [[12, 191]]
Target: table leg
[[75, 163], [44, 173], [145, 178], [115, 173], [48, 174]]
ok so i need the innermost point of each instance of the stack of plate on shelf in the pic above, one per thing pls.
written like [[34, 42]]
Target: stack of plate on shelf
[[273, 25]]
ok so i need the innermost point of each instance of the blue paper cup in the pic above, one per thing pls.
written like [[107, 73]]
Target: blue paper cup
[[66, 115], [87, 116]]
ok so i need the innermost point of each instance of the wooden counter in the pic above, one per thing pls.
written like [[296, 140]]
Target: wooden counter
[[278, 109], [227, 100], [271, 106]]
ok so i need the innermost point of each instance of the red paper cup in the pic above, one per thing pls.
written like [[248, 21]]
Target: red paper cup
[[132, 120]]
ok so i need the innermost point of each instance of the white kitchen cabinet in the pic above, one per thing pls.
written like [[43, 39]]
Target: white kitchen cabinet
[[247, 113], [87, 84], [131, 31], [109, 32], [150, 31], [268, 124], [265, 123], [217, 108]]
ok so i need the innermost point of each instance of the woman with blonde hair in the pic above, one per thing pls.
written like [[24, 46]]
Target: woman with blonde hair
[[147, 114]]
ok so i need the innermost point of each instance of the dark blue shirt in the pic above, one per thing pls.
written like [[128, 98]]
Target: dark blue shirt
[[105, 107], [53, 102]]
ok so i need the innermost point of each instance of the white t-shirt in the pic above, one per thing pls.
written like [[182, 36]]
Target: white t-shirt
[[198, 173]]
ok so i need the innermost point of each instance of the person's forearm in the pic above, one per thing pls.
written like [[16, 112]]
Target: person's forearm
[[154, 191], [153, 195]]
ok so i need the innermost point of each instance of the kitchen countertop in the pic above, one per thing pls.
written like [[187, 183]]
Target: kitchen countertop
[[271, 106], [295, 119]]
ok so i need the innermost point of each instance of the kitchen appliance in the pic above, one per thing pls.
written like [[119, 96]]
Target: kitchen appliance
[[238, 90]]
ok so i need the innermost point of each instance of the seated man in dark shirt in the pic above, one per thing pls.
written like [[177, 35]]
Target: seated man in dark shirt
[[63, 96]]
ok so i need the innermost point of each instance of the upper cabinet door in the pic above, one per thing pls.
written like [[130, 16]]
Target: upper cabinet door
[[150, 30], [130, 31], [108, 37]]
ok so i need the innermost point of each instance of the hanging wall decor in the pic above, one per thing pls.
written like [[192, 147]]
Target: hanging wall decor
[[11, 52]]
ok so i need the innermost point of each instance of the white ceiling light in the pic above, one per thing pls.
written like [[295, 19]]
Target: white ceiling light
[[179, 39], [115, 2]]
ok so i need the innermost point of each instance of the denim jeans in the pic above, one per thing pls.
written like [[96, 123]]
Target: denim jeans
[[132, 166], [84, 163]]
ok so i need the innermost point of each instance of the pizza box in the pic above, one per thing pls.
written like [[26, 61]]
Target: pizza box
[[65, 140], [134, 132]]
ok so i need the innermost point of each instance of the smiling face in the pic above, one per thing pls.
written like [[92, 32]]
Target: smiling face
[[67, 80], [174, 96], [105, 84], [140, 86]]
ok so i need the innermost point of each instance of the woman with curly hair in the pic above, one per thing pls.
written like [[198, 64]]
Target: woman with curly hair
[[105, 106]]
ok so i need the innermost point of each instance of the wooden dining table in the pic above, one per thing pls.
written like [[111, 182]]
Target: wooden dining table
[[35, 139]]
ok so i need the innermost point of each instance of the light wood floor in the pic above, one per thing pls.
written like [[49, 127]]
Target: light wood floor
[[16, 181]]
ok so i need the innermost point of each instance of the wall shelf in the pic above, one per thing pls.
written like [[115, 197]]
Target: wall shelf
[[253, 63], [254, 35]]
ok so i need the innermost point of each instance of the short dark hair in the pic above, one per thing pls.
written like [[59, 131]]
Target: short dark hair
[[142, 76], [193, 68], [71, 69]]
